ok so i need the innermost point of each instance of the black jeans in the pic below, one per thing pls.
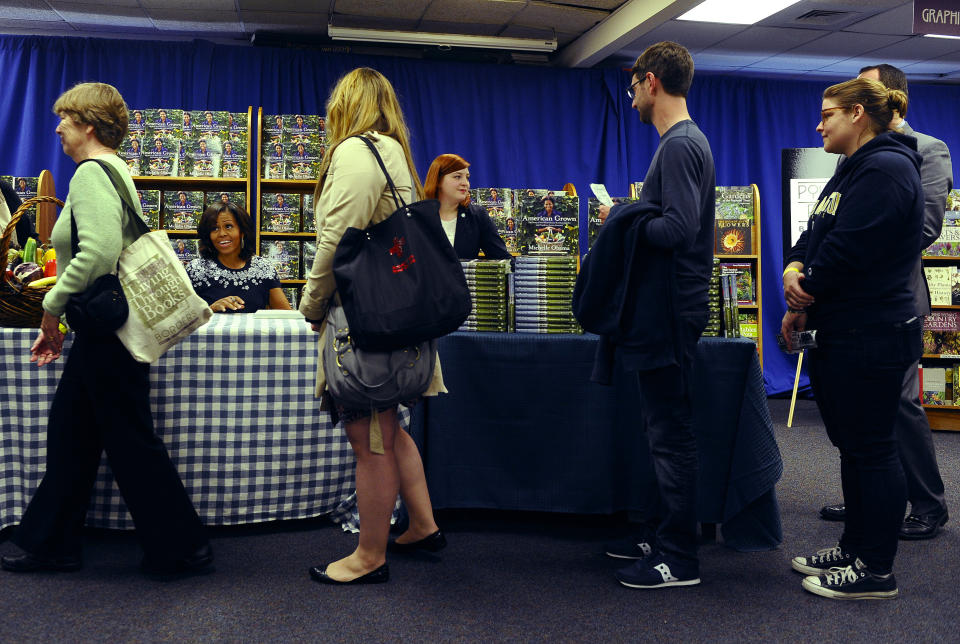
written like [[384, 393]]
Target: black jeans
[[857, 376], [665, 409], [103, 403]]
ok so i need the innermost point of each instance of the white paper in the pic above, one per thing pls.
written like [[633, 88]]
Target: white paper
[[600, 192]]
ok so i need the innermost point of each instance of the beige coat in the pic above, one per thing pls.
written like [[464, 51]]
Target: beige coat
[[355, 194]]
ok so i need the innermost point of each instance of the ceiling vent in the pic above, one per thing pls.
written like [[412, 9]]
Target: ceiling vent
[[824, 17]]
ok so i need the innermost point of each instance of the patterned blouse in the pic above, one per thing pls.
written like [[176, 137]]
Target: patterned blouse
[[252, 283]]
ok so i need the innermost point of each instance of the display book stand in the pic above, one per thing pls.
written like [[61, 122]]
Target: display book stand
[[207, 184], [752, 258], [944, 417]]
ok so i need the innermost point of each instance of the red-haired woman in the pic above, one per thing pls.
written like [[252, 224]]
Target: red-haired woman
[[468, 227]]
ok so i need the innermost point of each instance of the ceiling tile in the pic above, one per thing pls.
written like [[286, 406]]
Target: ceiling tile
[[309, 21], [193, 5], [520, 31], [486, 12], [71, 4], [695, 36], [772, 40], [405, 9], [799, 63], [936, 66], [608, 5], [916, 48], [193, 21], [558, 17], [841, 45], [32, 26], [294, 6], [372, 22], [898, 20], [27, 10], [103, 18], [706, 60]]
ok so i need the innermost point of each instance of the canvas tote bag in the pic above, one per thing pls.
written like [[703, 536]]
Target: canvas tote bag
[[164, 309]]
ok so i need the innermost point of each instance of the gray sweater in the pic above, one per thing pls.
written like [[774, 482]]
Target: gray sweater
[[101, 229]]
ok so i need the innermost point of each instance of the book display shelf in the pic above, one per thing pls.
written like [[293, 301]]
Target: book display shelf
[[940, 362], [156, 192]]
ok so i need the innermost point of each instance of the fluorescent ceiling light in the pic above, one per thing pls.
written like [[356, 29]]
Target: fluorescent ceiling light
[[449, 40], [941, 36], [739, 12]]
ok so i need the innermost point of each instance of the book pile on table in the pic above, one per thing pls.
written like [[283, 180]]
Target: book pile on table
[[489, 283], [714, 305], [543, 290]]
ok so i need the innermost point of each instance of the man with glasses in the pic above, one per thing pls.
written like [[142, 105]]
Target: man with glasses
[[928, 507], [681, 184]]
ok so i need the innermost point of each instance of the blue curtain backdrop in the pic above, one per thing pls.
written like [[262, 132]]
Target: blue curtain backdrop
[[518, 126]]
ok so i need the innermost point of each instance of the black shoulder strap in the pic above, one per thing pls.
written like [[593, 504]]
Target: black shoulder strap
[[396, 195], [132, 217]]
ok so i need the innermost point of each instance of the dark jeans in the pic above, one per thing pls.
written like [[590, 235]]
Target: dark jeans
[[665, 409], [857, 377], [103, 403]]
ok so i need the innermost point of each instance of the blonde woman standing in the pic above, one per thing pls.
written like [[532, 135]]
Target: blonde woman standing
[[353, 192]]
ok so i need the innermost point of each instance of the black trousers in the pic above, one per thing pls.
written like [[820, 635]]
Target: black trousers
[[665, 408], [857, 376], [917, 454], [103, 403]]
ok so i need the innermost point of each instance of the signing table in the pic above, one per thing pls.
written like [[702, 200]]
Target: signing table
[[234, 405], [524, 429]]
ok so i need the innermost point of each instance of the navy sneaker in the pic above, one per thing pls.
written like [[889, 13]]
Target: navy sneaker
[[638, 547], [823, 561], [659, 571], [852, 582]]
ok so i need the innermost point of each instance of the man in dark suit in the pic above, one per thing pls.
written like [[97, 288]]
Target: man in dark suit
[[928, 507]]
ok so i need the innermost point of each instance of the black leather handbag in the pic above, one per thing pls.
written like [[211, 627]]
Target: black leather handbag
[[400, 281], [102, 308]]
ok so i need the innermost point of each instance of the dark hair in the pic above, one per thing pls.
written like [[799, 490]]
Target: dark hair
[[878, 101], [889, 75], [208, 223], [669, 62]]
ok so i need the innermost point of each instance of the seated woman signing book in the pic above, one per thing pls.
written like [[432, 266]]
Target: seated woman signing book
[[227, 274], [468, 227]]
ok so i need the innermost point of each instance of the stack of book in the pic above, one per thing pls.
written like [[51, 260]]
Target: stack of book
[[489, 283], [293, 145], [714, 303], [948, 244], [543, 290], [731, 310]]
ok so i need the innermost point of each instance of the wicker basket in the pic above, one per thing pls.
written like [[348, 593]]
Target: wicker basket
[[20, 308]]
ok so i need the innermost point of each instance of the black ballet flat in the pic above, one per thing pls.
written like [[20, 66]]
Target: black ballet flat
[[432, 543], [379, 576]]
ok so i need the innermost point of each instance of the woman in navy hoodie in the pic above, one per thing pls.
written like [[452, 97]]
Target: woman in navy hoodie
[[855, 265]]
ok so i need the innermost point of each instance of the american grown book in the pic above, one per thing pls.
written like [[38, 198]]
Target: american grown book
[[273, 161], [272, 129], [593, 217], [549, 225], [131, 151], [161, 156], [285, 256], [136, 123], [280, 212], [238, 198], [308, 219], [182, 209], [233, 161], [150, 205], [163, 121], [498, 202], [234, 126], [291, 295], [185, 249], [301, 160], [308, 251], [26, 188], [301, 128], [202, 155]]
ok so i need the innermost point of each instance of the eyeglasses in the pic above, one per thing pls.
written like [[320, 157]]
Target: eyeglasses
[[825, 114], [630, 92]]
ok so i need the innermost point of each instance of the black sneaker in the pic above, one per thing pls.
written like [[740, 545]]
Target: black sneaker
[[659, 571], [823, 561], [630, 548], [852, 582]]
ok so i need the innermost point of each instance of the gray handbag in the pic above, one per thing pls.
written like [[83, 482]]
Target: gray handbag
[[359, 379]]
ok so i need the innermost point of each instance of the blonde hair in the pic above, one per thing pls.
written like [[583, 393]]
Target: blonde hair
[[99, 105], [877, 101], [364, 100]]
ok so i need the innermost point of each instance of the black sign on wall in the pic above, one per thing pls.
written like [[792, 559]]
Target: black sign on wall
[[939, 17]]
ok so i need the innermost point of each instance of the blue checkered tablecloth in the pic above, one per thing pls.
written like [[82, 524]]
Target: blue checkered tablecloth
[[234, 405]]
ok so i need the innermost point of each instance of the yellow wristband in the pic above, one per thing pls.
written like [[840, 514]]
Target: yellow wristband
[[791, 268]]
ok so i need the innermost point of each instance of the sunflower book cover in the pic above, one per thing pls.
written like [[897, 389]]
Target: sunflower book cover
[[733, 237]]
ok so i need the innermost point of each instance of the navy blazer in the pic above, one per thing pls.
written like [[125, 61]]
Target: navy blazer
[[476, 232]]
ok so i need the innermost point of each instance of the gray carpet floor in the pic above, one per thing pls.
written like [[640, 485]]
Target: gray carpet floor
[[504, 576]]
